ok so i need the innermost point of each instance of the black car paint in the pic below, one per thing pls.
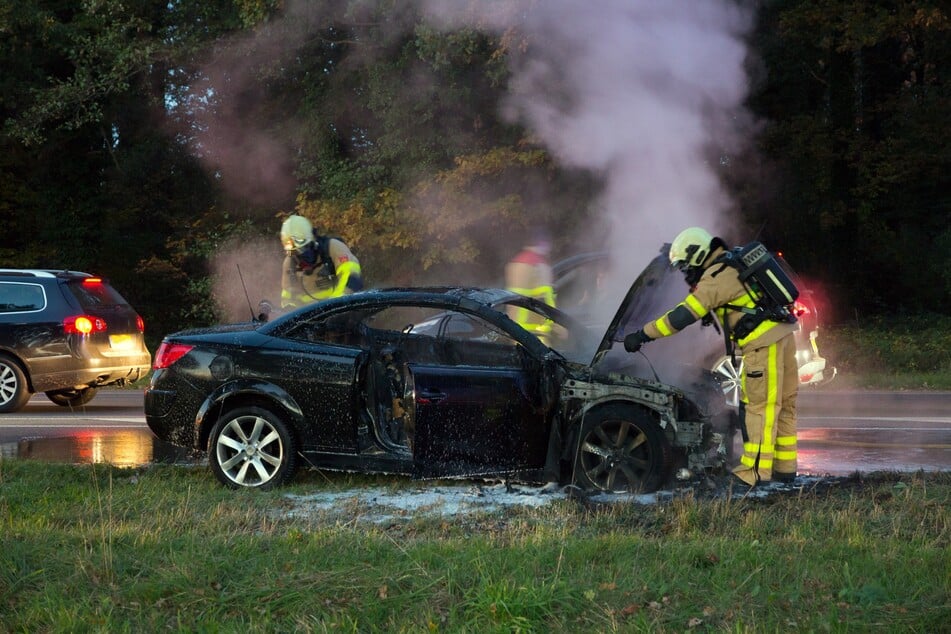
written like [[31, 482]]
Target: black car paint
[[520, 418], [476, 421]]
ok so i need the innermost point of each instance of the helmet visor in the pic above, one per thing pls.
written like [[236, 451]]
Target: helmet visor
[[294, 244]]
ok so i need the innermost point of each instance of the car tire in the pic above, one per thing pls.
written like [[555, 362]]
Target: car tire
[[14, 390], [251, 447], [622, 449], [72, 397]]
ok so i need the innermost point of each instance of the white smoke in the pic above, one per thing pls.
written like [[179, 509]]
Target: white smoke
[[646, 94]]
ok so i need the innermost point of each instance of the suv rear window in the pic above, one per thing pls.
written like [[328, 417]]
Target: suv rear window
[[92, 293], [20, 297]]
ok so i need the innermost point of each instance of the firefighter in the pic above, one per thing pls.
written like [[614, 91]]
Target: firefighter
[[529, 274], [315, 266], [770, 380]]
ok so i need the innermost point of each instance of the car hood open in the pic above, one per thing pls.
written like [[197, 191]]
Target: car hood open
[[647, 296]]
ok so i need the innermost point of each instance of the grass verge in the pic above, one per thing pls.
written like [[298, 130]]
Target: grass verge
[[96, 548], [902, 352]]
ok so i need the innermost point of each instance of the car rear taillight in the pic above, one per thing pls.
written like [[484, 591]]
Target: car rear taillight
[[83, 325], [140, 323], [169, 353]]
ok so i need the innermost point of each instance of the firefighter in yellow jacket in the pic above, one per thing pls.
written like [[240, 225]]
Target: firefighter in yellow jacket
[[315, 267], [770, 380], [530, 274]]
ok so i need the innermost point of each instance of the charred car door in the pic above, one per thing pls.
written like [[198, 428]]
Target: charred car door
[[478, 407], [315, 360]]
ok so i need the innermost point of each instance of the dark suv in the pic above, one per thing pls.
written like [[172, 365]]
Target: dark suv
[[65, 333]]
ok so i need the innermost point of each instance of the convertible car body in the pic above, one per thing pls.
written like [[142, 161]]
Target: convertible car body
[[432, 382]]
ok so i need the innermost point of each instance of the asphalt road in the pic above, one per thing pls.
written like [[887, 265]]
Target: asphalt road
[[839, 432]]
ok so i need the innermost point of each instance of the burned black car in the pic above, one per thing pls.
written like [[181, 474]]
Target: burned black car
[[429, 382]]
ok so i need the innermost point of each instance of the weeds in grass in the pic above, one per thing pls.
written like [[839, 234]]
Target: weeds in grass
[[106, 526]]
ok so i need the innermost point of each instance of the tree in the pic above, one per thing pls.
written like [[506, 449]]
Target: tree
[[856, 99]]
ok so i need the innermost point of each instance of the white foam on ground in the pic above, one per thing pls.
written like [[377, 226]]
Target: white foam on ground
[[383, 505]]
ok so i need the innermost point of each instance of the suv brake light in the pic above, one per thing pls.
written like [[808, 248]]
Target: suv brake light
[[83, 324], [169, 353], [140, 323]]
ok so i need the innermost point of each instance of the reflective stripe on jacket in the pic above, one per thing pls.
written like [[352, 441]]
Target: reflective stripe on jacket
[[300, 285], [529, 274], [718, 286]]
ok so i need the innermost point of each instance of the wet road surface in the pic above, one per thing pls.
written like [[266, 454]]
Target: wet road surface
[[109, 429], [839, 432]]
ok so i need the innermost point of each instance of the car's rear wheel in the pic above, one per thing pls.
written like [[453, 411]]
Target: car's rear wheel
[[252, 447], [14, 391], [623, 449], [72, 397]]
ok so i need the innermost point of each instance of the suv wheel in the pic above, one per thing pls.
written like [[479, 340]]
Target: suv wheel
[[72, 397], [14, 392], [251, 447], [622, 449]]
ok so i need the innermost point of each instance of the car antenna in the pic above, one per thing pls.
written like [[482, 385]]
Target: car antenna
[[245, 287]]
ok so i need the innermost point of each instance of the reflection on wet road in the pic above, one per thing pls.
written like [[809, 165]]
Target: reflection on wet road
[[119, 447], [839, 433], [110, 429], [845, 449]]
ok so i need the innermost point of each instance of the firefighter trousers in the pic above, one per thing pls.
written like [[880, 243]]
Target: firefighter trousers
[[770, 385]]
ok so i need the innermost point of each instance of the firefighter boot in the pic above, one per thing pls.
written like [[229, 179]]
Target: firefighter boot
[[746, 475]]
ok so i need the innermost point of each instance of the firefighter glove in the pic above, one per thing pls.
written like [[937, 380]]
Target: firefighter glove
[[634, 341]]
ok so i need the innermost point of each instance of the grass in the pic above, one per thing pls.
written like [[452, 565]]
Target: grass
[[97, 548], [902, 352]]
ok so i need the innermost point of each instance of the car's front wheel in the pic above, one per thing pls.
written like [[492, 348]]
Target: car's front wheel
[[14, 391], [252, 447], [72, 397], [622, 449]]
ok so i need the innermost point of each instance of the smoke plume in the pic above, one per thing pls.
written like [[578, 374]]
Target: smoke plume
[[647, 95]]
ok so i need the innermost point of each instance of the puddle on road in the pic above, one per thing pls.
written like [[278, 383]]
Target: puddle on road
[[821, 452], [124, 448]]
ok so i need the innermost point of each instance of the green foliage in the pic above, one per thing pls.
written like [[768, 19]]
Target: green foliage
[[899, 351], [860, 153], [388, 132]]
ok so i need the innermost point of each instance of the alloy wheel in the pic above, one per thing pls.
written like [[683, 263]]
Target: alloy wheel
[[252, 448]]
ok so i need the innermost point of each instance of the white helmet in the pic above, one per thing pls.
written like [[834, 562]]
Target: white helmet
[[690, 248], [296, 233]]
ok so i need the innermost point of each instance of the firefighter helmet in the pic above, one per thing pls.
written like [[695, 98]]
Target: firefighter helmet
[[296, 233], [690, 248]]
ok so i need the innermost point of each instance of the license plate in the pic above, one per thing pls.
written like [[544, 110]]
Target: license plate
[[120, 341]]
